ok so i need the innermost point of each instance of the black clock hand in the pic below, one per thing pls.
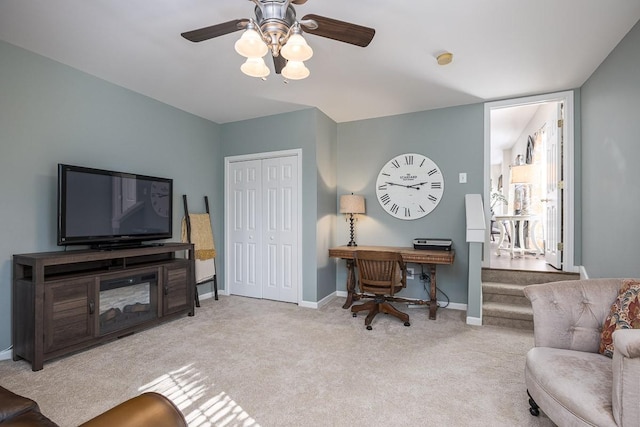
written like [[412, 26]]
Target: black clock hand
[[401, 185], [420, 183]]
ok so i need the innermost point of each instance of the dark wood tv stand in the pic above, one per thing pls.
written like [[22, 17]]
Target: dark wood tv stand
[[57, 307]]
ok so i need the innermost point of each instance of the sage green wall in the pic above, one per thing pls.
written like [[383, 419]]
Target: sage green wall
[[327, 157], [50, 114], [453, 139], [297, 130], [610, 102]]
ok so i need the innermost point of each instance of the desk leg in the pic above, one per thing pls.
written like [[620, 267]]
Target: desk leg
[[433, 301], [351, 283]]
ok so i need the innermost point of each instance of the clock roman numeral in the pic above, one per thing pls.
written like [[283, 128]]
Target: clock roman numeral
[[436, 185], [385, 174], [395, 164], [408, 160], [433, 171], [395, 208], [407, 212], [382, 187], [421, 208], [385, 199], [432, 198], [422, 162]]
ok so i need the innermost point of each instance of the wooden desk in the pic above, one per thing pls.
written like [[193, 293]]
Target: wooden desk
[[409, 255]]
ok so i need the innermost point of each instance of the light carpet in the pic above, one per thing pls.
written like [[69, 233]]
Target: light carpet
[[248, 362]]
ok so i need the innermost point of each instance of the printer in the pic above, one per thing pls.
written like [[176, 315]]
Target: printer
[[432, 244]]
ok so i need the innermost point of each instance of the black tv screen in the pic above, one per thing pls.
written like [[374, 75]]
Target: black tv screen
[[108, 208]]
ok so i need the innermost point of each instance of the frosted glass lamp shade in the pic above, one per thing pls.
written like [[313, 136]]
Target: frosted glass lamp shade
[[352, 204], [296, 49], [251, 45], [295, 70], [255, 67]]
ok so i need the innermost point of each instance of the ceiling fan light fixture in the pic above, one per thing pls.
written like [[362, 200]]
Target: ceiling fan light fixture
[[295, 70], [255, 67], [251, 45], [296, 49]]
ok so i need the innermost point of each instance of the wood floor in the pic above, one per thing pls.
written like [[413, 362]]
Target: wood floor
[[526, 262]]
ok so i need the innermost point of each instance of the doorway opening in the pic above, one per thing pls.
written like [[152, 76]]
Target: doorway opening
[[529, 183]]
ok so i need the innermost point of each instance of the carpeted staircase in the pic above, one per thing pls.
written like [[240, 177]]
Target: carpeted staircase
[[503, 301]]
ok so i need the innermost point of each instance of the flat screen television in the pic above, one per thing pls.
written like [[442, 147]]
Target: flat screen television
[[109, 209]]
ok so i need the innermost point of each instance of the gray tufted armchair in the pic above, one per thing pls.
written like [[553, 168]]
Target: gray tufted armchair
[[565, 375]]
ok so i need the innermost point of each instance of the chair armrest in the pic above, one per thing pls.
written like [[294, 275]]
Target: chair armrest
[[146, 410], [569, 314], [626, 371], [627, 342]]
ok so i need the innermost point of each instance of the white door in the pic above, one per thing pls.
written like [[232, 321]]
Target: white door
[[280, 206], [263, 228], [553, 198], [245, 228]]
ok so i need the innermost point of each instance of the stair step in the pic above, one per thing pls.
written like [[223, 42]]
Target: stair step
[[522, 277], [502, 288], [506, 299], [504, 303], [508, 311], [507, 323]]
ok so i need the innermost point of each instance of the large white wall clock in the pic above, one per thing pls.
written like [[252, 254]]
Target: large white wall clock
[[409, 186]]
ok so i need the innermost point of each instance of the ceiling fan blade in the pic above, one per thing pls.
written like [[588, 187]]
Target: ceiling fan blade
[[340, 30], [207, 33], [279, 62]]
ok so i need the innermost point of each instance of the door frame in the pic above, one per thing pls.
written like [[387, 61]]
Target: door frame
[[568, 166], [297, 152]]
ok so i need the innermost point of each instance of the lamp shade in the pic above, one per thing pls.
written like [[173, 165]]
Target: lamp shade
[[255, 67], [251, 45], [351, 204], [522, 174], [295, 70], [296, 49]]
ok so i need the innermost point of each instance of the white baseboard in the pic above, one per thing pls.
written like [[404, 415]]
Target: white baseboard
[[452, 305], [476, 321], [5, 355], [322, 302], [583, 272], [206, 295]]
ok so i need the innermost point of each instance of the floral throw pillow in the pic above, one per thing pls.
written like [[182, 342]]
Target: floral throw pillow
[[624, 314]]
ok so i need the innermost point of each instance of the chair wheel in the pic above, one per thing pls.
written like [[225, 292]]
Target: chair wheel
[[354, 314], [369, 327], [407, 324]]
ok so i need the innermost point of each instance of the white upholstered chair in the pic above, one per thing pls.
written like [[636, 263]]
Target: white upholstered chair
[[565, 375]]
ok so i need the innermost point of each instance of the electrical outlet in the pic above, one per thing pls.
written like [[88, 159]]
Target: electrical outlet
[[409, 273]]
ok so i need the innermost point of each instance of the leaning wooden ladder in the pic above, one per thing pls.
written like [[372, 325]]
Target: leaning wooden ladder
[[214, 279]]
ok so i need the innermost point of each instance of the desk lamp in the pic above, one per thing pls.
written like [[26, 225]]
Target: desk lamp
[[351, 204]]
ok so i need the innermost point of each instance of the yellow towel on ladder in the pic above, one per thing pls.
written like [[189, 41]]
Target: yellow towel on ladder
[[201, 235]]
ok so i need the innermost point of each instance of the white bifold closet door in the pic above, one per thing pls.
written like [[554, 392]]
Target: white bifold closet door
[[263, 228]]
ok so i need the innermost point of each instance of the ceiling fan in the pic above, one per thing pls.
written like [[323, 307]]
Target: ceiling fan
[[276, 29]]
